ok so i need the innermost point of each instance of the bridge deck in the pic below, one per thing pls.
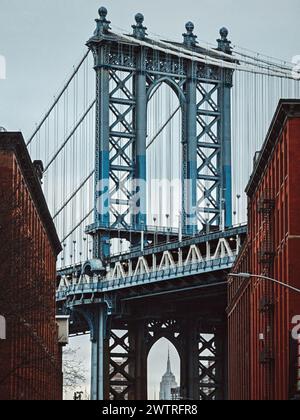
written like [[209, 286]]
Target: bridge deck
[[172, 245], [171, 267], [79, 287]]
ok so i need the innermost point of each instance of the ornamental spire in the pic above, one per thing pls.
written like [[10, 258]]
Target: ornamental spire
[[169, 362]]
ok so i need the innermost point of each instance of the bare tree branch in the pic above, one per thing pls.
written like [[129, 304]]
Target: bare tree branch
[[74, 370]]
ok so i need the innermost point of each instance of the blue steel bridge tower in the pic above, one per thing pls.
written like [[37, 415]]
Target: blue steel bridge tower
[[177, 289], [128, 69]]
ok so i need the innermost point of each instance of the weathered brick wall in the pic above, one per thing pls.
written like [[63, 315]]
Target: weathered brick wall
[[30, 358], [259, 312]]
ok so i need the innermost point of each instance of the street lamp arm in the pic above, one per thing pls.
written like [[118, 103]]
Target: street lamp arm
[[249, 276]]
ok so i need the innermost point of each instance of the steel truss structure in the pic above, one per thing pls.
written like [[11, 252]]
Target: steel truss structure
[[198, 255], [181, 298], [124, 333], [175, 290], [127, 74], [128, 365]]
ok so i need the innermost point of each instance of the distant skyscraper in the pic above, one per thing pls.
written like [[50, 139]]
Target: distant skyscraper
[[168, 383]]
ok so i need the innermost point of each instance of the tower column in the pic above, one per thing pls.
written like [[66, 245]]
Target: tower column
[[102, 158], [190, 155], [189, 177], [139, 210], [190, 362], [226, 194], [99, 354], [102, 199], [224, 99], [138, 360]]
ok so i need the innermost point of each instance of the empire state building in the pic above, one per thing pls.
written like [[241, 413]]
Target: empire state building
[[168, 383]]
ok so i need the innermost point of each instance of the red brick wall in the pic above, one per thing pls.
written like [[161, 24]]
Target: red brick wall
[[271, 307], [239, 296], [30, 359]]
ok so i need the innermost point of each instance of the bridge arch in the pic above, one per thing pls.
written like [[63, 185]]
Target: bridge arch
[[168, 336], [172, 84], [164, 153]]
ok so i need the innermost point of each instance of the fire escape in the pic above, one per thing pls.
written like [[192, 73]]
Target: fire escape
[[267, 252], [266, 257]]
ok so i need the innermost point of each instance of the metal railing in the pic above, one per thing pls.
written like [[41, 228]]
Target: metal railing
[[148, 247], [167, 273]]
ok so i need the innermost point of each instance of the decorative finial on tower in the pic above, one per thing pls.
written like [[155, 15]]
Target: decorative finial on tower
[[102, 23], [189, 38], [139, 30], [223, 43]]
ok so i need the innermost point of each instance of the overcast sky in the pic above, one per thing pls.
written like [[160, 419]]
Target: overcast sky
[[42, 40]]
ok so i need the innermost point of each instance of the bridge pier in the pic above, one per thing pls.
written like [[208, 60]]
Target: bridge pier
[[183, 300], [121, 343], [201, 347], [190, 363], [98, 323], [138, 364]]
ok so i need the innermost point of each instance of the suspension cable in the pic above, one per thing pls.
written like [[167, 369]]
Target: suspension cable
[[70, 135], [204, 59], [77, 226], [211, 48], [58, 97]]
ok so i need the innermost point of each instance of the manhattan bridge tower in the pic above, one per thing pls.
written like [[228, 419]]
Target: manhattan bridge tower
[[128, 70], [139, 299]]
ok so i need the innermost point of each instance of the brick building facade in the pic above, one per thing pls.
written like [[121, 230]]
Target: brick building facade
[[262, 353], [30, 356]]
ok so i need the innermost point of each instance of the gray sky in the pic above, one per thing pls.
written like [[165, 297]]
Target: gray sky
[[42, 40]]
